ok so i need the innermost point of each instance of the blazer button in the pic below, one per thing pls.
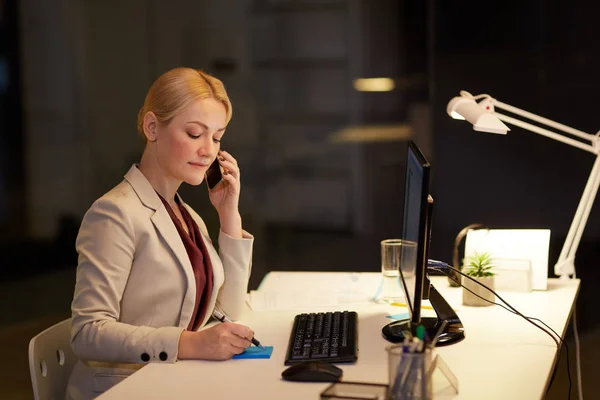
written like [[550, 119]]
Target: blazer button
[[145, 357], [163, 356]]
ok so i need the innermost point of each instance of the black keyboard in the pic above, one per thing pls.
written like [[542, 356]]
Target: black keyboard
[[328, 336]]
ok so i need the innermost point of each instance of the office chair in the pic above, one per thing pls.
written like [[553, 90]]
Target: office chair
[[51, 361]]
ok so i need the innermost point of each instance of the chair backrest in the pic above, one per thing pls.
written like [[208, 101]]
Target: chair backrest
[[51, 361]]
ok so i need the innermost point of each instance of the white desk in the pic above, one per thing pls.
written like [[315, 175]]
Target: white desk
[[502, 357]]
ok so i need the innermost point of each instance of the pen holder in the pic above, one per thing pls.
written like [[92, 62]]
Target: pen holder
[[407, 374], [418, 375]]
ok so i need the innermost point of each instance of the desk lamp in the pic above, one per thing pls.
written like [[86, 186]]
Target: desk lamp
[[484, 118]]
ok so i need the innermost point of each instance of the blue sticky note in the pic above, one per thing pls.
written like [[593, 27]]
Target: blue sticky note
[[255, 352], [397, 317]]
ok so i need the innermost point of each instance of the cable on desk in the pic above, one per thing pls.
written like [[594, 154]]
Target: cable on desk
[[444, 267]]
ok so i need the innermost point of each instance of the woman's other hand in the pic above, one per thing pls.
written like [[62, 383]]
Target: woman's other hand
[[219, 342]]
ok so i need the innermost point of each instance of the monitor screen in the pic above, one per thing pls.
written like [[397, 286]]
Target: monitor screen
[[416, 227], [416, 194]]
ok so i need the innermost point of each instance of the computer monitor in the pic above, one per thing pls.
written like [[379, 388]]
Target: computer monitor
[[416, 227]]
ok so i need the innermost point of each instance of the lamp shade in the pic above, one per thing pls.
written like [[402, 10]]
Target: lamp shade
[[479, 114]]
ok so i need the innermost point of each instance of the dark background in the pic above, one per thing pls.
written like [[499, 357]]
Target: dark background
[[541, 56]]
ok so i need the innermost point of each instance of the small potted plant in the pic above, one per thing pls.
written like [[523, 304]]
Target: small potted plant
[[479, 267]]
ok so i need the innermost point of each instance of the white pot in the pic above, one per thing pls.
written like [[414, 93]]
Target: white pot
[[469, 299]]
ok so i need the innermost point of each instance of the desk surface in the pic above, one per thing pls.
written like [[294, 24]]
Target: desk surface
[[502, 357]]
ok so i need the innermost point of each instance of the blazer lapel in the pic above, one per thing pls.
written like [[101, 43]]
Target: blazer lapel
[[218, 272], [164, 225], [166, 228], [217, 264]]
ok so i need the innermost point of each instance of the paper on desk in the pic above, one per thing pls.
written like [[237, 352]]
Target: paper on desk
[[289, 300], [397, 317], [424, 313]]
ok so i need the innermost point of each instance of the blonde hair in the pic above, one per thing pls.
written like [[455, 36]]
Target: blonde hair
[[174, 90]]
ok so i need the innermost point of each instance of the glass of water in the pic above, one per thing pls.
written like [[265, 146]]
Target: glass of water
[[396, 254]]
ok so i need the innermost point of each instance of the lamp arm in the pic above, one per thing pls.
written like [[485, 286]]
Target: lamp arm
[[548, 122], [566, 261], [565, 266], [547, 133]]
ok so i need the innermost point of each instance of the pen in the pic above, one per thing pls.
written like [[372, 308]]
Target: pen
[[223, 318], [438, 334], [421, 332], [423, 306]]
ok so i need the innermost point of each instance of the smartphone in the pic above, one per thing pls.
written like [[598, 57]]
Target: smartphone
[[213, 174]]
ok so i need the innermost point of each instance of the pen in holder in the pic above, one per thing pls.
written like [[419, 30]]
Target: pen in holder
[[415, 374], [407, 370]]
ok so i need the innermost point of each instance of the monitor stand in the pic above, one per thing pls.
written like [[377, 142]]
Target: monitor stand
[[453, 332]]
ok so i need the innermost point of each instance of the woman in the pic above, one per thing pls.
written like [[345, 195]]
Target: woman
[[148, 275]]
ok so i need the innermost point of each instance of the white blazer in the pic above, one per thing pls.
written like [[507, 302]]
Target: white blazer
[[135, 290]]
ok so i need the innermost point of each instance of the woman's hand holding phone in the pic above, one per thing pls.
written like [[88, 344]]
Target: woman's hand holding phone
[[225, 194], [213, 175]]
